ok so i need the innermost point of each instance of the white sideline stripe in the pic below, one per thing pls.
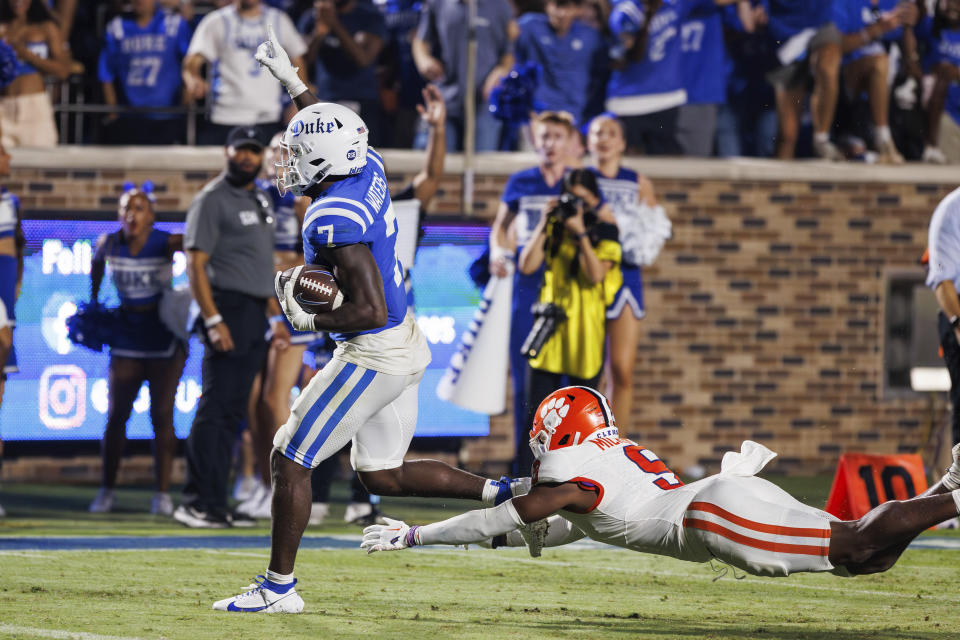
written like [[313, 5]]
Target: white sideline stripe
[[59, 633]]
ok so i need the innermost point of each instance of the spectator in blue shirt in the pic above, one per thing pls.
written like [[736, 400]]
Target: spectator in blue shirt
[[571, 54], [747, 120], [646, 87], [941, 34], [344, 39], [140, 66], [868, 26], [807, 44]]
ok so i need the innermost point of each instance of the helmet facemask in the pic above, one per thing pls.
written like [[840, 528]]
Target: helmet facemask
[[295, 173]]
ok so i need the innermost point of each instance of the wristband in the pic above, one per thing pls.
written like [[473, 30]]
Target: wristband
[[212, 321], [954, 322], [297, 88], [277, 318], [581, 236], [412, 540]]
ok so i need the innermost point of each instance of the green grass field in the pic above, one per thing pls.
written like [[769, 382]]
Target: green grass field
[[438, 592]]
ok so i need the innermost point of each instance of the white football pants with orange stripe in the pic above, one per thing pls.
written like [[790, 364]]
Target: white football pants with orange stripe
[[755, 525], [744, 521]]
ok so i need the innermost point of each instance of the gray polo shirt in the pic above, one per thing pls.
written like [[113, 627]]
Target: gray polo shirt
[[443, 26], [234, 226]]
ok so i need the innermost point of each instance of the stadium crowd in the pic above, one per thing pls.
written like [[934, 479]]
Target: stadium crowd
[[873, 80]]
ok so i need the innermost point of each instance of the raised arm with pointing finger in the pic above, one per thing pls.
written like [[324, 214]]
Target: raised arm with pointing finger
[[272, 56]]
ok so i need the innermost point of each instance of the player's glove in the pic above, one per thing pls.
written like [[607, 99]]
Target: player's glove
[[393, 536], [272, 56], [298, 317]]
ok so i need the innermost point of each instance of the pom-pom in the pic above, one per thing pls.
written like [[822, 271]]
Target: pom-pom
[[512, 99], [92, 325]]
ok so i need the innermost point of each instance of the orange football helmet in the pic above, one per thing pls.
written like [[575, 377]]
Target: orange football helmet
[[570, 416]]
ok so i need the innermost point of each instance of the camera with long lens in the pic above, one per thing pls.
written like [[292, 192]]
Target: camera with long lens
[[547, 317]]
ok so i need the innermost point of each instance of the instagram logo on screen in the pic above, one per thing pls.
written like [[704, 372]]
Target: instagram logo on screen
[[63, 396]]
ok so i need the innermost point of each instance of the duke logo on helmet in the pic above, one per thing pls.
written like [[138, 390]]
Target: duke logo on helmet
[[324, 139]]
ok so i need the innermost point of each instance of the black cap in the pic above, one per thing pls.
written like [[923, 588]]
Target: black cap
[[245, 136]]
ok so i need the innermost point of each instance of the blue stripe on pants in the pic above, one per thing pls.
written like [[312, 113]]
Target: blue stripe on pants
[[337, 415], [307, 422]]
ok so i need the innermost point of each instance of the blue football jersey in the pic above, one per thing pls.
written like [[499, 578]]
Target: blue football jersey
[[656, 82], [145, 60], [704, 60], [358, 210]]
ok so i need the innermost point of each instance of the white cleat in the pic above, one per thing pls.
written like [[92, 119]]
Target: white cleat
[[103, 503], [534, 535], [253, 506], [264, 597], [245, 487], [318, 512], [357, 511], [951, 478], [162, 504]]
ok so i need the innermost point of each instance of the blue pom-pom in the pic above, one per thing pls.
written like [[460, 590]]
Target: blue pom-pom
[[512, 99], [92, 325], [8, 64]]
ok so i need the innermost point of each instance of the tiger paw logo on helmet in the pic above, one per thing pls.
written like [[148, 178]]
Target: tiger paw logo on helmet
[[552, 413], [571, 416]]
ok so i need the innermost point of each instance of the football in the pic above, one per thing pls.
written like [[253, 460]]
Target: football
[[316, 289]]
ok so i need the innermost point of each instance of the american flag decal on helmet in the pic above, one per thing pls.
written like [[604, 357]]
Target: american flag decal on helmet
[[361, 130]]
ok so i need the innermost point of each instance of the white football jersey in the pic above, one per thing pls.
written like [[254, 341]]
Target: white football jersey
[[640, 502], [732, 516]]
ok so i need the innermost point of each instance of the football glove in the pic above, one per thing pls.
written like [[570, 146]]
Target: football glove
[[298, 317], [393, 536], [272, 56]]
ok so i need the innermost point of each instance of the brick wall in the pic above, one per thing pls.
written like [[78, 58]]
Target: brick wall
[[764, 312]]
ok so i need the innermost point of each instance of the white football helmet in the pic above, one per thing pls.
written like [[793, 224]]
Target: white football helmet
[[324, 139]]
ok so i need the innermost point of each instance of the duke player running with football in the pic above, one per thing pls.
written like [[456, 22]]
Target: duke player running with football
[[615, 491], [368, 391]]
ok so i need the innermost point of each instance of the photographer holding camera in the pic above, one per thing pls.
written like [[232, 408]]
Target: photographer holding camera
[[576, 239]]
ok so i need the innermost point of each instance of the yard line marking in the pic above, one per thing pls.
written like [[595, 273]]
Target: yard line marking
[[59, 633]]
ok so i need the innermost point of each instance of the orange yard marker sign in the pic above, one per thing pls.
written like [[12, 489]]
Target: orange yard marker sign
[[864, 481]]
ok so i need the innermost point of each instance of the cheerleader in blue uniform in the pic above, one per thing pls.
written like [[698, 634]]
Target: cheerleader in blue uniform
[[11, 274], [643, 228], [139, 259]]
